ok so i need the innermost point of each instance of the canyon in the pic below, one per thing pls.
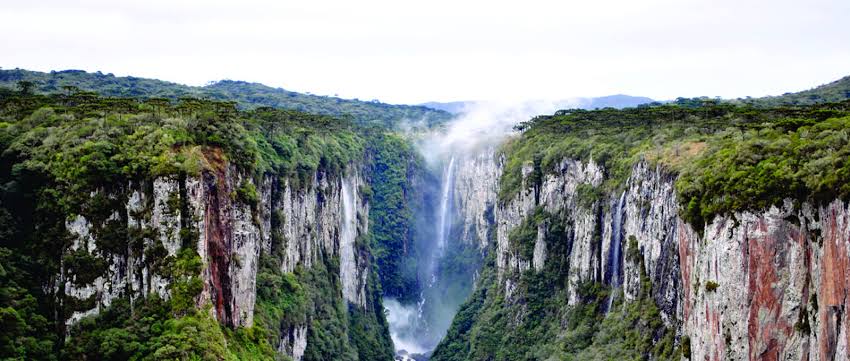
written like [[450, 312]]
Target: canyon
[[716, 231]]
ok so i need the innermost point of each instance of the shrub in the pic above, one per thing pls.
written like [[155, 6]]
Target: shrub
[[247, 193]]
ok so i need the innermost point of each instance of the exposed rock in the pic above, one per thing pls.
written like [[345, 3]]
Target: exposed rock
[[475, 189], [324, 218], [352, 275], [539, 258], [294, 342], [557, 193], [779, 279]]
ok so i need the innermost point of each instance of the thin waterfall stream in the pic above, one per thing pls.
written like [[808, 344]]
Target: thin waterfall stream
[[615, 253], [416, 329], [452, 228]]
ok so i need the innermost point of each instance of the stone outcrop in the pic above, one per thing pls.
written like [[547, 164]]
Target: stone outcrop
[[294, 342], [780, 284], [475, 188], [322, 218], [556, 193], [765, 285]]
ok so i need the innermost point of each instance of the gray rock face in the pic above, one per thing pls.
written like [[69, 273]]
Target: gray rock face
[[352, 275], [780, 284], [650, 216], [475, 191], [779, 278], [312, 218], [324, 218], [294, 342], [557, 193], [229, 243]]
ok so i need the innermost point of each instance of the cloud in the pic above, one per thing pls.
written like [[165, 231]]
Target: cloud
[[484, 124], [444, 50]]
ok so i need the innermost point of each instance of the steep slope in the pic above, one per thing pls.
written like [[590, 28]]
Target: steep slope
[[666, 232], [246, 95], [183, 231]]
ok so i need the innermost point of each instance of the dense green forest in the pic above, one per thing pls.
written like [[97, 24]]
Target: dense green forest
[[246, 95], [395, 203], [57, 150]]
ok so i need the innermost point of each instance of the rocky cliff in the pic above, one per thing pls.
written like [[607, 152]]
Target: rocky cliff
[[765, 285], [475, 187], [229, 218]]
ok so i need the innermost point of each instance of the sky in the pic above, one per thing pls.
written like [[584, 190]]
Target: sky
[[400, 51]]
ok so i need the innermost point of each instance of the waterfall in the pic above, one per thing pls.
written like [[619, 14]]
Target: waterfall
[[348, 233], [615, 253], [443, 228], [417, 328], [445, 212]]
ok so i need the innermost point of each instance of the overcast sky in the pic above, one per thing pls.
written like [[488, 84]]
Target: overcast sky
[[415, 51]]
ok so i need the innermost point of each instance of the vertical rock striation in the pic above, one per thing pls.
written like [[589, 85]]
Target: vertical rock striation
[[325, 217], [766, 285], [476, 185], [780, 284]]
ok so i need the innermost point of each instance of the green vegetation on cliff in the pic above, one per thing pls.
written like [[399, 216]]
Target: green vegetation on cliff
[[395, 165], [800, 159], [722, 157], [728, 157], [63, 155], [537, 323], [311, 297]]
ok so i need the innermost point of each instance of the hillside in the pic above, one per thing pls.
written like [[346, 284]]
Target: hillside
[[246, 95], [836, 91], [618, 101]]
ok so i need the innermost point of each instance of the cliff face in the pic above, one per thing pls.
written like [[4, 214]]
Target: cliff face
[[229, 218], [475, 187], [553, 194], [765, 285], [784, 271]]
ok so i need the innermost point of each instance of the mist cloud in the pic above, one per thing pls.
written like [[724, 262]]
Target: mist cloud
[[483, 125]]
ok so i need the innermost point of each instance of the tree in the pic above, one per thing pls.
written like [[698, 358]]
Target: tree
[[25, 87], [70, 89]]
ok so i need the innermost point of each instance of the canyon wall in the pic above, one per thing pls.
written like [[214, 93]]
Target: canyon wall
[[475, 187], [229, 218], [765, 285]]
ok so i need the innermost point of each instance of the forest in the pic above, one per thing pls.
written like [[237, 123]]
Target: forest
[[62, 152], [245, 95]]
